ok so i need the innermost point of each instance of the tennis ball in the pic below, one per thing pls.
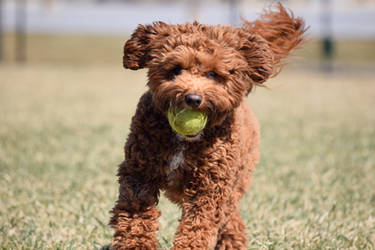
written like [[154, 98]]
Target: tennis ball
[[186, 121]]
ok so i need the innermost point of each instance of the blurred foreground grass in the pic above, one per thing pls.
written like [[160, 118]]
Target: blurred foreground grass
[[63, 128]]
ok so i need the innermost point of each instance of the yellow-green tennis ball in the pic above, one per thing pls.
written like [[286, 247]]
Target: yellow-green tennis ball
[[186, 121]]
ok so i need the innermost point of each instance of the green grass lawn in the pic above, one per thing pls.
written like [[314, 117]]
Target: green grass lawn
[[62, 130]]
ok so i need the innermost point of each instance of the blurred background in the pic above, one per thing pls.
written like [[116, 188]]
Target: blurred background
[[66, 104], [31, 30]]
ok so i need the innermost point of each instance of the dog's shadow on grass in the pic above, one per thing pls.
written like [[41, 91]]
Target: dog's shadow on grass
[[106, 247]]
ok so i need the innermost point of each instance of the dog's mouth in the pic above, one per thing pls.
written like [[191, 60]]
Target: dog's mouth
[[190, 138]]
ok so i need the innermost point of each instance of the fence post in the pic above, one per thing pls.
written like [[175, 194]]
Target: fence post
[[21, 42], [327, 43], [1, 32], [233, 12]]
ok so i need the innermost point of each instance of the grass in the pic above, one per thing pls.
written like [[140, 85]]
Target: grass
[[68, 49], [63, 128], [65, 117], [98, 50], [345, 51]]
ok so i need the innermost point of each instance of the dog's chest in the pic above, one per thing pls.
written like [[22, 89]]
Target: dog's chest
[[176, 163]]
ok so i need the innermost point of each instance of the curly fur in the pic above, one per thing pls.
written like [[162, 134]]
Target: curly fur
[[205, 175]]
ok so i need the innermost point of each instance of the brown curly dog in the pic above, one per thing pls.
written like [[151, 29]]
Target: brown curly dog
[[211, 69]]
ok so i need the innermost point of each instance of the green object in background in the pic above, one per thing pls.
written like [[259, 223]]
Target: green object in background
[[186, 121], [328, 48]]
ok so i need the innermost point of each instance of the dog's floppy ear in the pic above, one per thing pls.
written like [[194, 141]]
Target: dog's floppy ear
[[258, 55], [280, 29], [266, 41], [138, 48]]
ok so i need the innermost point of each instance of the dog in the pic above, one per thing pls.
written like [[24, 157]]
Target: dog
[[211, 69]]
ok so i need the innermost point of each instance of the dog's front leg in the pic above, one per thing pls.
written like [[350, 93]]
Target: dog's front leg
[[135, 230], [135, 216], [202, 218]]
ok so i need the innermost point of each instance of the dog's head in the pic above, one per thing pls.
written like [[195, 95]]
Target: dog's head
[[211, 68]]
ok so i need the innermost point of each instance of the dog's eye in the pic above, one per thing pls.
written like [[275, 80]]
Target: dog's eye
[[175, 71], [211, 75]]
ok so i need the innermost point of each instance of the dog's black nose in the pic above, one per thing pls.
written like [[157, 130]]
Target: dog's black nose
[[193, 100]]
